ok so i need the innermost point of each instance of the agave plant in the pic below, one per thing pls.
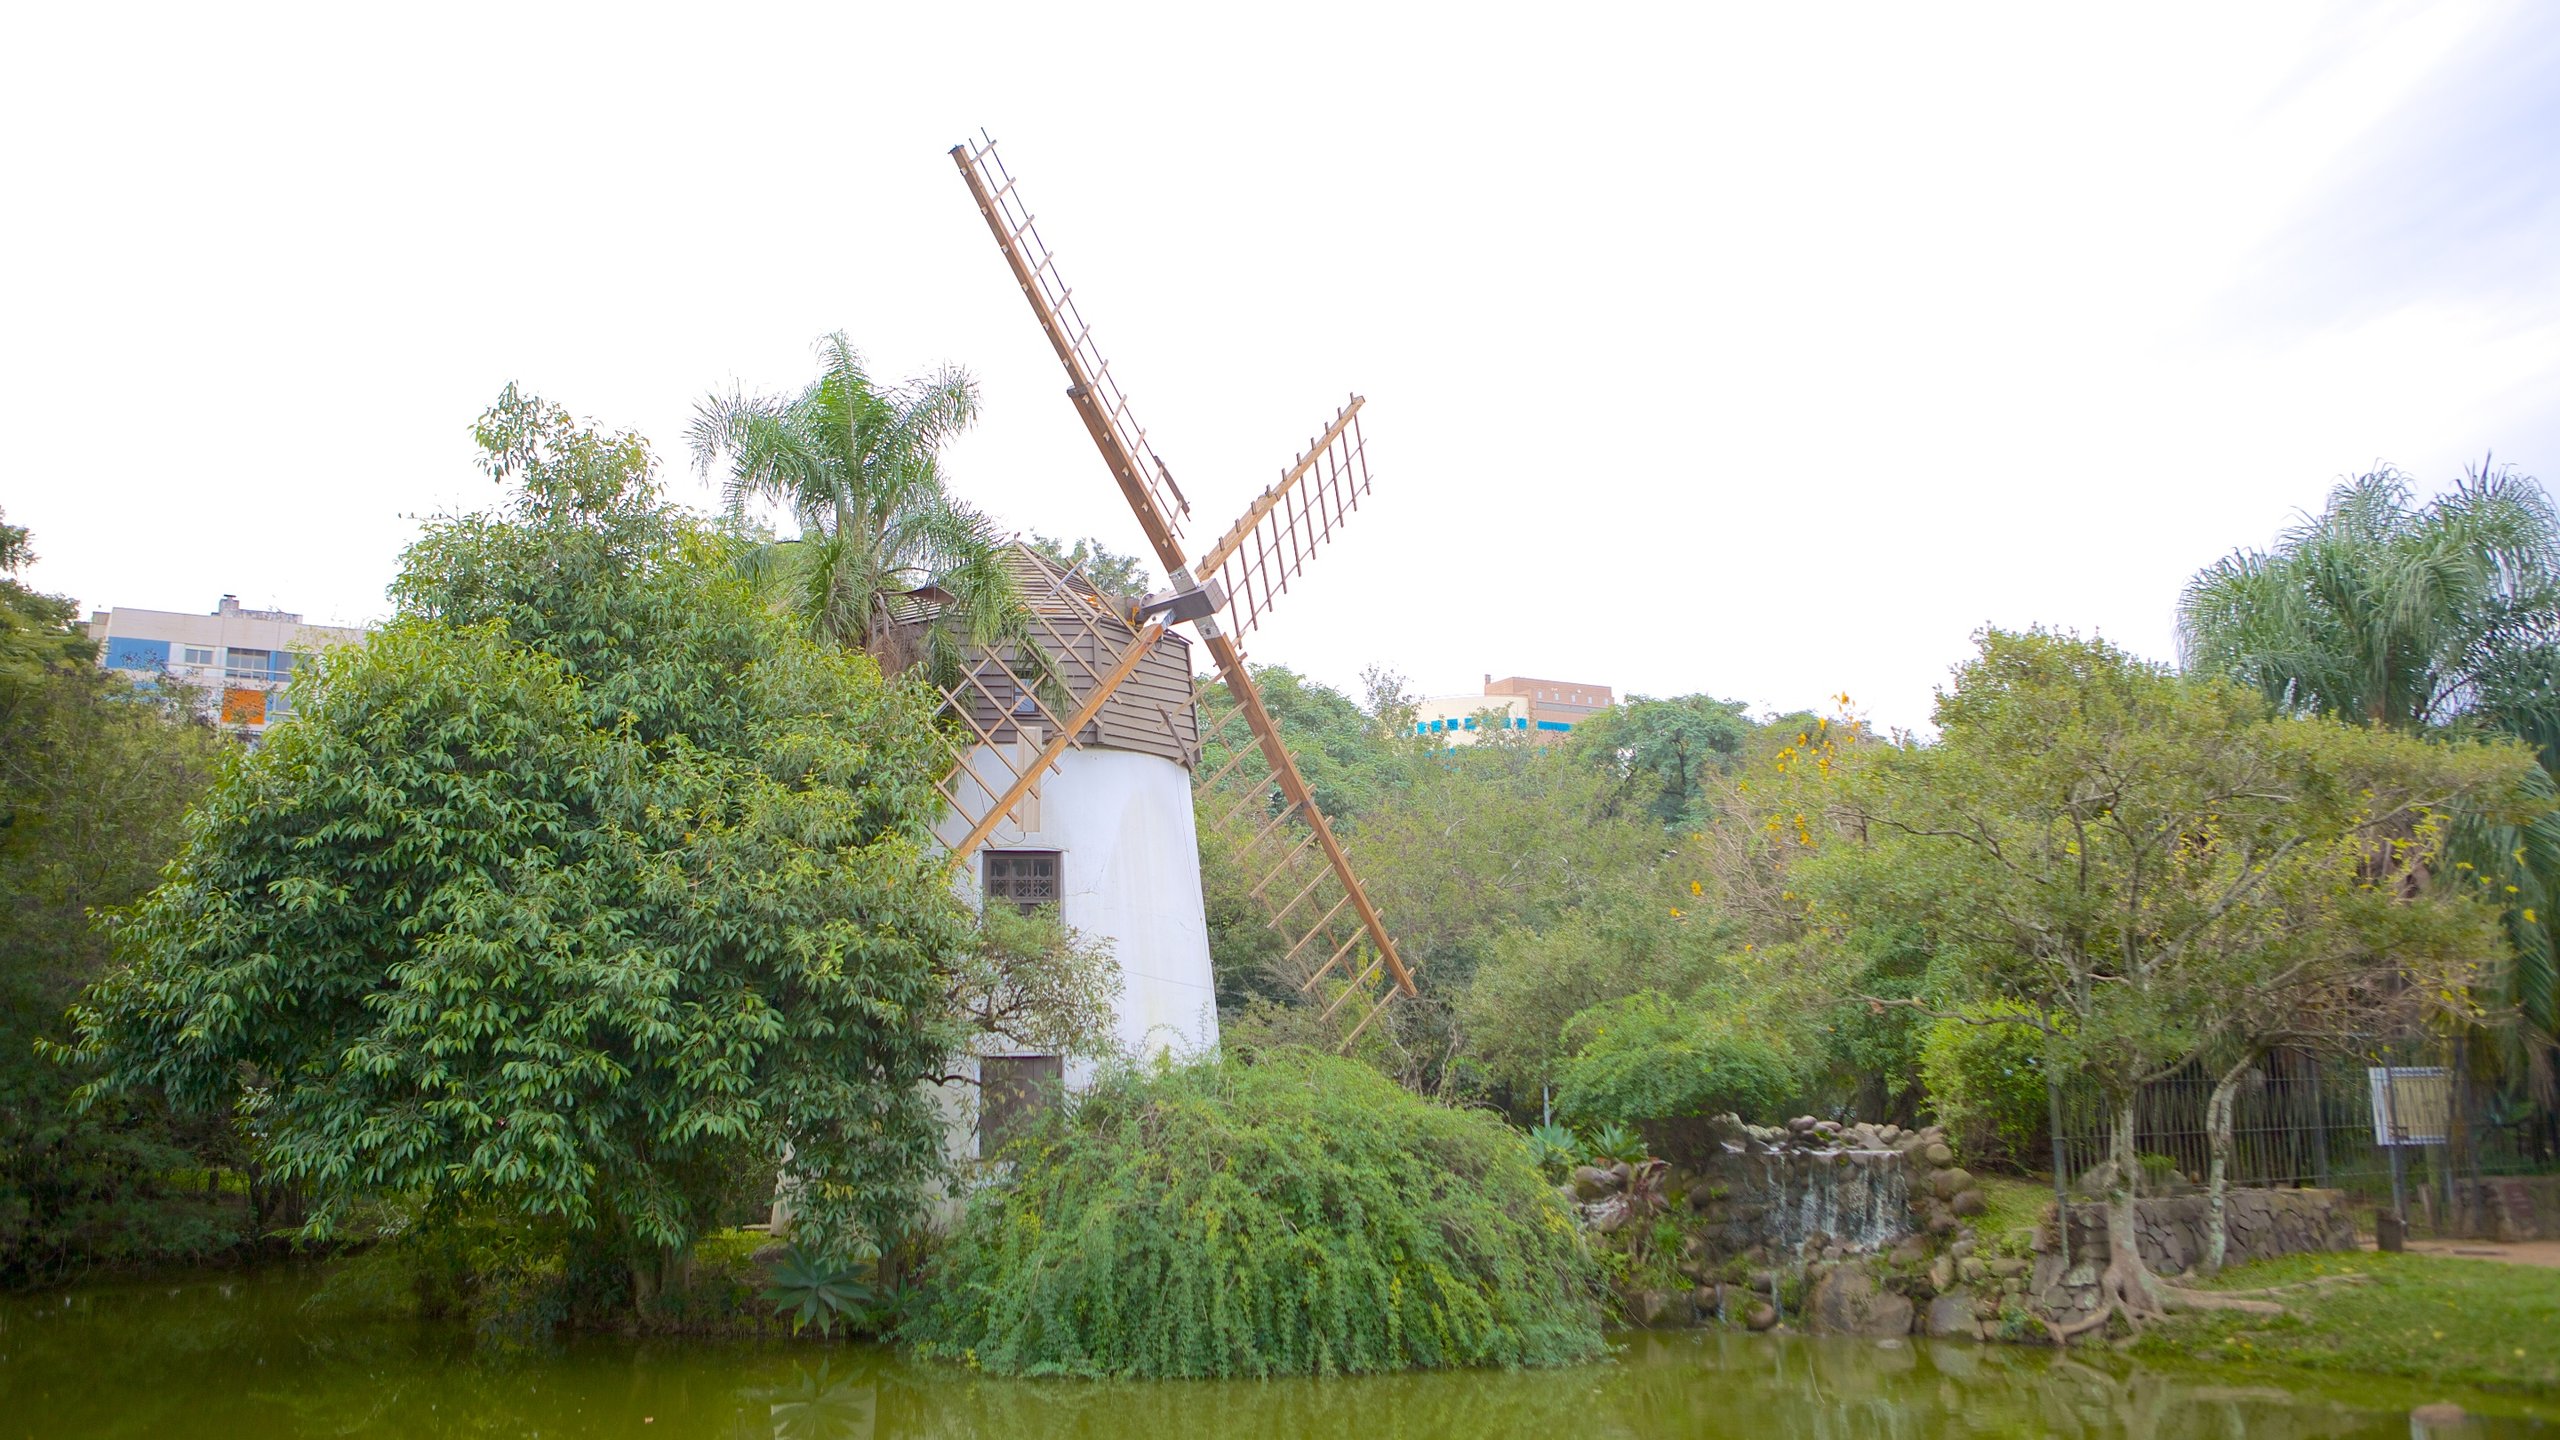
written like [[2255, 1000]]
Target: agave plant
[[1615, 1141], [812, 1292], [1552, 1148]]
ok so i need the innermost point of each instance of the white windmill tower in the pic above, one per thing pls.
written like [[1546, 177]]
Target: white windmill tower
[[1082, 793]]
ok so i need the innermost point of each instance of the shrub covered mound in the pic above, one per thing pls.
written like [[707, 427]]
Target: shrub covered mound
[[1298, 1214]]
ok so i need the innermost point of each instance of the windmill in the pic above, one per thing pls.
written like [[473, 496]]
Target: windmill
[[1259, 806]]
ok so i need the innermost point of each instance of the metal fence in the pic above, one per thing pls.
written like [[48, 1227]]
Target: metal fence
[[2304, 1119]]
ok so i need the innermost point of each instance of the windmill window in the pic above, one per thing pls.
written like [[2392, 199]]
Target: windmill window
[[1013, 1092], [1024, 879]]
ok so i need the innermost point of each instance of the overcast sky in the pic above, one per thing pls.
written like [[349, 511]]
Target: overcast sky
[[1762, 351]]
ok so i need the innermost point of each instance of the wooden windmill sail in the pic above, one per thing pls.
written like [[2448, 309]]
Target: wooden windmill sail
[[1258, 805]]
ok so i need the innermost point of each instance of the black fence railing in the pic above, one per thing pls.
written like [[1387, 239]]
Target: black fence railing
[[2305, 1119]]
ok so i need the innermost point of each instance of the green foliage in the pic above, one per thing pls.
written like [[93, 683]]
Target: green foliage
[[1659, 754], [811, 1291], [1986, 1081], [1347, 764], [2153, 862], [1296, 1215], [1646, 1059], [95, 778], [584, 887], [1553, 1149], [1612, 1142], [2440, 617]]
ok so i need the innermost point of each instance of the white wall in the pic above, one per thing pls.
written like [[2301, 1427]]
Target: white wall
[[1130, 872]]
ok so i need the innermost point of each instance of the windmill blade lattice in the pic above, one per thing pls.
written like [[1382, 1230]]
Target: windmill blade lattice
[[1270, 544]]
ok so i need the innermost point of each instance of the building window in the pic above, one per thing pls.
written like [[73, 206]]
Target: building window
[[199, 655], [1014, 1091], [248, 664], [1024, 879]]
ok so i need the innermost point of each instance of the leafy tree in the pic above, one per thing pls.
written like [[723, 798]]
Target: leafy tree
[[1661, 753], [94, 781], [2438, 617], [1661, 1066], [2116, 852], [587, 887], [1285, 1215], [858, 465]]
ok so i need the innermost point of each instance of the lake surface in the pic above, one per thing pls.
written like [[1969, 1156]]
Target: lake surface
[[242, 1356]]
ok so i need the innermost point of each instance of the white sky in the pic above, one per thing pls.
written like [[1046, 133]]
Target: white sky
[[1759, 352]]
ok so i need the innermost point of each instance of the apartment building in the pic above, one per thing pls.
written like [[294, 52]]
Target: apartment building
[[237, 660], [1545, 710]]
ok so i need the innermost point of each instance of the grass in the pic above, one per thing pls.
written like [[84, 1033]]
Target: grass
[[2479, 1323], [2017, 1206]]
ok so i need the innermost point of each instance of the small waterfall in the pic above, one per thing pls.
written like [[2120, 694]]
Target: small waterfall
[[1856, 1199]]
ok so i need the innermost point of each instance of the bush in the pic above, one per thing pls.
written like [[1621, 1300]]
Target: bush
[[1664, 1068], [1299, 1214], [1986, 1085]]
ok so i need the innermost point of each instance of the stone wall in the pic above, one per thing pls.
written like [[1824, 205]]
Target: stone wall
[[2261, 1225], [2512, 1208]]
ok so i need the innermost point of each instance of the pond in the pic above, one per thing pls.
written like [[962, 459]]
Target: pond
[[241, 1356]]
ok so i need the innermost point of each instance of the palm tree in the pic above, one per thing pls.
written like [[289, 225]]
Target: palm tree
[[857, 464], [2437, 618]]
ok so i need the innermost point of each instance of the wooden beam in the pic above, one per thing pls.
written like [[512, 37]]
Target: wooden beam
[[1057, 745]]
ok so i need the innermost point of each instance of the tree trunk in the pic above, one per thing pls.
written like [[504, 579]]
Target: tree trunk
[[2217, 1127], [2126, 1287]]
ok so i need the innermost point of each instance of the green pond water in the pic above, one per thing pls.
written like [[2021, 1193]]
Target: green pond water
[[242, 1356]]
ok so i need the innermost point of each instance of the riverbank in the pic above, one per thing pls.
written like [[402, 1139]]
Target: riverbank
[[2449, 1319]]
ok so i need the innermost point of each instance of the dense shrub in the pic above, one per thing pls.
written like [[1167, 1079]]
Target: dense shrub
[[1986, 1084], [1298, 1214], [1663, 1067]]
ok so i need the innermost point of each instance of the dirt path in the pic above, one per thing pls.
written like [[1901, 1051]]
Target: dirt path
[[2542, 1253]]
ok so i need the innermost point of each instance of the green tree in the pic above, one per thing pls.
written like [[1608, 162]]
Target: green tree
[[2441, 617], [2117, 853], [94, 781], [857, 464], [1664, 1067], [1661, 753], [586, 889]]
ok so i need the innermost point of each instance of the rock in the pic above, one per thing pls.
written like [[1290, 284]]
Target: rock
[[1608, 1216], [1707, 1301], [1889, 1134], [1985, 1308], [2442, 1415], [770, 1254], [1624, 1171], [1942, 1274], [1645, 1308], [1937, 1153], [2009, 1269], [1849, 1302], [1968, 1203], [1801, 1125], [1971, 1269], [1949, 1316], [1590, 1182], [1826, 1127], [1760, 1316], [1911, 1251], [1950, 1180], [1961, 1248]]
